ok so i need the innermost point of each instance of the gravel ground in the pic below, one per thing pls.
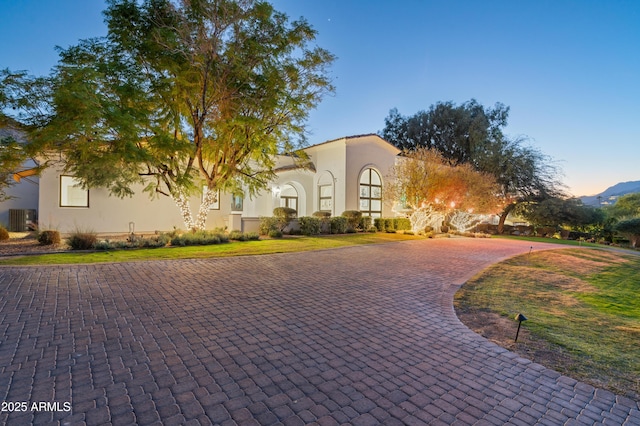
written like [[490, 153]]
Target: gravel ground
[[26, 243]]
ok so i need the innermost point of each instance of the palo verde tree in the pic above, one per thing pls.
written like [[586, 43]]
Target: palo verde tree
[[180, 96], [472, 134]]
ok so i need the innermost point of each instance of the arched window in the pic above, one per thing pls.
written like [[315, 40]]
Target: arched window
[[370, 193], [289, 197]]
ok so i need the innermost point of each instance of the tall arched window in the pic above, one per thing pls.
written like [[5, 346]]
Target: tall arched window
[[371, 193]]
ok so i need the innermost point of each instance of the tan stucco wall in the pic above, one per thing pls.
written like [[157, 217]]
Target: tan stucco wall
[[330, 160], [25, 196], [362, 153], [341, 162], [108, 214]]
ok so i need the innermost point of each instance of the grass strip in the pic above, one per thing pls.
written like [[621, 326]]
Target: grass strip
[[267, 246]]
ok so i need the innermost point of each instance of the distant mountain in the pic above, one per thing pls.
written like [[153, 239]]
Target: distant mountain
[[609, 195]]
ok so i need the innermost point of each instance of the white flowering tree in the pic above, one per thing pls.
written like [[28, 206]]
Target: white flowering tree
[[438, 192]]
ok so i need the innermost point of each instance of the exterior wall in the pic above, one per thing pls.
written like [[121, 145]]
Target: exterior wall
[[108, 214], [369, 151], [330, 162], [25, 196], [339, 162]]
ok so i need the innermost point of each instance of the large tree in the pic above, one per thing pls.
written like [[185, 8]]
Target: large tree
[[181, 96], [472, 134], [428, 185], [625, 207], [569, 212]]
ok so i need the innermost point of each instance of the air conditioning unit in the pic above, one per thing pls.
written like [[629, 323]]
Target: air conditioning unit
[[21, 220]]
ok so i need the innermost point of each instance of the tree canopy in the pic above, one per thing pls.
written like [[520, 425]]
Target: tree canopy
[[432, 189], [625, 207], [179, 96], [472, 134]]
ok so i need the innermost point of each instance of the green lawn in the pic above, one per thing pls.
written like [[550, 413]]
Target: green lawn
[[267, 246], [584, 303]]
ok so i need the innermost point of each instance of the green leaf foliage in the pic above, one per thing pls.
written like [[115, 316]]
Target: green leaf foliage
[[178, 95]]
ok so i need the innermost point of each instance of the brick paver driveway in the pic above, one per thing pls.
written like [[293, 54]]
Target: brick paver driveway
[[360, 335]]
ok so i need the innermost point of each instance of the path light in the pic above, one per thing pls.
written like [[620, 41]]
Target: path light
[[519, 318]]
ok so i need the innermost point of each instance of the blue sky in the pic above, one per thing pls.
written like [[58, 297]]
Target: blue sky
[[569, 70]]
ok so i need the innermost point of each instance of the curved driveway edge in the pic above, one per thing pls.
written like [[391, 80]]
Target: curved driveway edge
[[360, 335]]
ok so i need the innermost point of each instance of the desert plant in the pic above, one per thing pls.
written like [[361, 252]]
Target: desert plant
[[199, 238], [49, 237], [4, 234], [82, 239], [156, 241]]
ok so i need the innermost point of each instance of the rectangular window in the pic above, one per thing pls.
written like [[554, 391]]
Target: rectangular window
[[325, 202], [72, 194], [236, 203]]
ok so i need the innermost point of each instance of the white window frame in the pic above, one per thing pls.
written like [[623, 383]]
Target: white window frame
[[75, 199]]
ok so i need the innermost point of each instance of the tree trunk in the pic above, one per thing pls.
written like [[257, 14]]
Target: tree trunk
[[503, 217], [185, 210], [208, 198]]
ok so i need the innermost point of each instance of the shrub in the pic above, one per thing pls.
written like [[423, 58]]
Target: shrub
[[353, 219], [275, 234], [321, 214], [243, 236], [365, 223], [82, 240], [153, 242], [103, 245], [338, 225], [4, 234], [389, 224], [47, 238], [379, 223], [199, 238], [237, 235], [402, 224], [252, 236], [310, 225], [284, 216], [267, 224]]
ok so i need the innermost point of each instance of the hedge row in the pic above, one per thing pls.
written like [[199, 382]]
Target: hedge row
[[392, 224]]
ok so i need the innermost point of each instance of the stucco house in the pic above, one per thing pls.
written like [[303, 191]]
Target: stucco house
[[342, 174], [19, 211]]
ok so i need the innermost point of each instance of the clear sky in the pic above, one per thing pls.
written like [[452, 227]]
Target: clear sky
[[569, 70]]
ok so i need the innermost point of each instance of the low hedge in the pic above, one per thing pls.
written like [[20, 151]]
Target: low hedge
[[310, 225]]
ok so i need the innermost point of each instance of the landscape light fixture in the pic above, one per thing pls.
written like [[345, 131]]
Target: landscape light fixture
[[519, 318]]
